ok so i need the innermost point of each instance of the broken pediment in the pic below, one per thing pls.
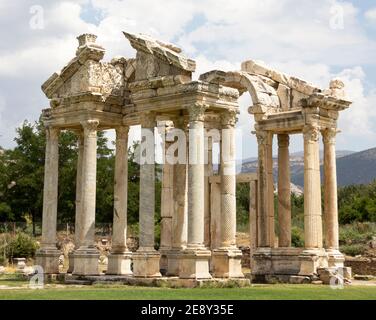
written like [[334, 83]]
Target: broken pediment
[[85, 73], [157, 59]]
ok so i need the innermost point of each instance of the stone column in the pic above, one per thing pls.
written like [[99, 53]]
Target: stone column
[[227, 258], [86, 256], [48, 255], [284, 191], [265, 213], [312, 256], [253, 220], [179, 230], [265, 189], [77, 227], [208, 173], [194, 262], [167, 204], [146, 259], [336, 259], [119, 260]]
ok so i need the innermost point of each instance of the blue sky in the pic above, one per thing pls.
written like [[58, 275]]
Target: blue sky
[[313, 39]]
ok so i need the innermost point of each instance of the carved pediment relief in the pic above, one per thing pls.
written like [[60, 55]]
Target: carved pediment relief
[[87, 74], [156, 58]]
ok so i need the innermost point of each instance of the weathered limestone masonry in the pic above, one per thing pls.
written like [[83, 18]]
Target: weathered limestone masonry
[[198, 226], [284, 105]]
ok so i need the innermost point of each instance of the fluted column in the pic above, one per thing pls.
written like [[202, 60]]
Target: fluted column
[[77, 227], [330, 198], [195, 260], [313, 255], [119, 260], [48, 255], [86, 257], [265, 189], [179, 230], [146, 259], [284, 191], [227, 258]]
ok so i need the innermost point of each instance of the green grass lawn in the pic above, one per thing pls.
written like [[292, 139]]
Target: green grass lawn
[[256, 292]]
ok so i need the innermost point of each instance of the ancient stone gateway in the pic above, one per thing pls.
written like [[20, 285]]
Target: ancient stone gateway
[[198, 226]]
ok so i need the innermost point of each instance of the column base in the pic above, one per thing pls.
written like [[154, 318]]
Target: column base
[[146, 264], [71, 262], [227, 263], [335, 258], [173, 262], [194, 264], [86, 262], [311, 260], [48, 259], [119, 264], [262, 261], [163, 262]]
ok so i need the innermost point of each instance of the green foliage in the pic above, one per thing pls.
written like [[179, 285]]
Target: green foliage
[[242, 204], [297, 237], [357, 203], [22, 246], [353, 249]]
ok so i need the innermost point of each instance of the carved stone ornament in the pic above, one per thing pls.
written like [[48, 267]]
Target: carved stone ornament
[[262, 137], [147, 120], [197, 112], [283, 140], [311, 133], [122, 132], [52, 133], [329, 135], [90, 127], [229, 118]]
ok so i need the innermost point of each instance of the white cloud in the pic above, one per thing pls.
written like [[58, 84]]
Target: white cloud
[[292, 36], [371, 15]]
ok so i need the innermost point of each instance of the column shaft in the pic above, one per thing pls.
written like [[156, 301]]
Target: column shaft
[[312, 189], [228, 182], [265, 189], [50, 192], [196, 178], [119, 238], [330, 188], [284, 191], [147, 185], [80, 158], [89, 181], [48, 255]]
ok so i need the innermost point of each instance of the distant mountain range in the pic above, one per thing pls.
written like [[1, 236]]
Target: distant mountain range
[[352, 167]]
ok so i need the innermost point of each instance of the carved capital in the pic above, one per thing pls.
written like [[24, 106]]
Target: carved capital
[[262, 137], [90, 127], [311, 133], [329, 136], [283, 140], [229, 118], [52, 133], [147, 120], [197, 112], [122, 132]]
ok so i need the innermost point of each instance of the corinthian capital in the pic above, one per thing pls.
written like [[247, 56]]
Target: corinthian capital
[[262, 137], [329, 135], [122, 132], [311, 133], [90, 127], [283, 140], [197, 112], [147, 119], [229, 118], [52, 133]]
